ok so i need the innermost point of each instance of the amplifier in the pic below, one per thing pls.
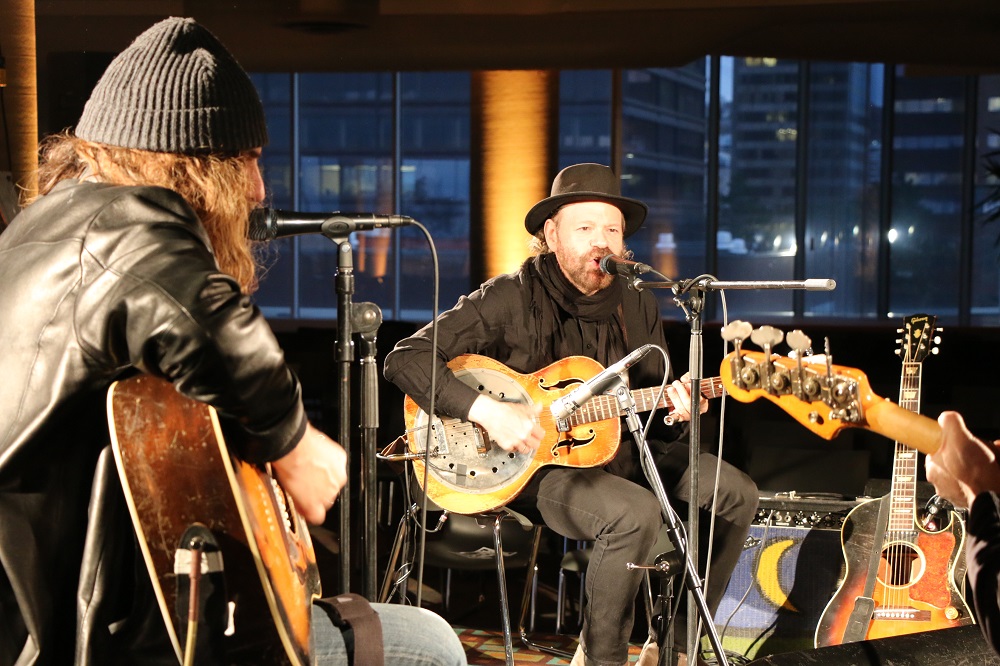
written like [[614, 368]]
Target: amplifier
[[812, 510], [788, 572]]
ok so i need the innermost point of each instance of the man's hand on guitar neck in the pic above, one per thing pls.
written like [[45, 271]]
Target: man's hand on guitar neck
[[679, 394], [312, 474], [964, 466], [513, 426]]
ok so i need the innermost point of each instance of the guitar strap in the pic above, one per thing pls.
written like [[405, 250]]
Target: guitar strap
[[863, 612], [359, 624]]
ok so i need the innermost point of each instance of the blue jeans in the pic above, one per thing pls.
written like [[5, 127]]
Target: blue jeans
[[411, 636]]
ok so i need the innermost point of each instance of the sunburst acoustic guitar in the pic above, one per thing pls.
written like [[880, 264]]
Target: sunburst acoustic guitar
[[469, 473], [899, 577], [826, 399]]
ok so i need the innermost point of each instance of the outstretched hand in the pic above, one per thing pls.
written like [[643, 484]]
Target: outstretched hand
[[313, 473]]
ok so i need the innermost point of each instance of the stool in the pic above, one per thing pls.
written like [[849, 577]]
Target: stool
[[446, 553]]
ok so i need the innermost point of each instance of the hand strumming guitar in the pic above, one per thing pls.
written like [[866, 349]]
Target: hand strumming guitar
[[513, 426], [313, 474], [964, 466]]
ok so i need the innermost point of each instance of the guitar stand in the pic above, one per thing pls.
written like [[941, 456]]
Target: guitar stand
[[691, 579]]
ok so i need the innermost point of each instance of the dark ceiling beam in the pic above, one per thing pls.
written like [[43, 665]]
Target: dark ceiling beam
[[349, 35]]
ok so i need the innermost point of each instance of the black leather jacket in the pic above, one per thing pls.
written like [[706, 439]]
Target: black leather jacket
[[98, 282]]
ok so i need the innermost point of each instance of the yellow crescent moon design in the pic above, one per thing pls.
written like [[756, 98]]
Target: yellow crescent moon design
[[768, 574]]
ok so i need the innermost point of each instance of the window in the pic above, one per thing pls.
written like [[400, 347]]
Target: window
[[334, 148], [812, 182]]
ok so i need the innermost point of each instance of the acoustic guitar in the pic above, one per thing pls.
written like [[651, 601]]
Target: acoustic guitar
[[176, 472], [899, 577], [469, 473]]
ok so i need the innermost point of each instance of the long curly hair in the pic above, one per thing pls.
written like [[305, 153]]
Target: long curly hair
[[215, 186]]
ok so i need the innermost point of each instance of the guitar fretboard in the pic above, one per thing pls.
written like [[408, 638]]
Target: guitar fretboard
[[607, 406], [904, 468]]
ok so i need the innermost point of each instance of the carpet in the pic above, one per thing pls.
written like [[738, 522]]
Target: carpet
[[484, 647]]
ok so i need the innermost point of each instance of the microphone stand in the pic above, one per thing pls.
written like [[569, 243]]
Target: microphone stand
[[344, 356], [364, 319], [694, 292], [696, 598]]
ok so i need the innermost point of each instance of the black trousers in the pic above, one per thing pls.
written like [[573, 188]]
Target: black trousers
[[623, 518]]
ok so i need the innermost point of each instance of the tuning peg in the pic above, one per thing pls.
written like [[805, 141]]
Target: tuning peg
[[800, 342], [736, 330], [935, 350], [829, 361], [766, 336]]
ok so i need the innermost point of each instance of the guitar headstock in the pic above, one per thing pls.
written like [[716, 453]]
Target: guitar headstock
[[823, 397], [919, 338]]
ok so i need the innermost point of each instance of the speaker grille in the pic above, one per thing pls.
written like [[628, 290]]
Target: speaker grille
[[789, 571]]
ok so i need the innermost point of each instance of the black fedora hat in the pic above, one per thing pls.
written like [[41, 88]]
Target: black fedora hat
[[586, 182]]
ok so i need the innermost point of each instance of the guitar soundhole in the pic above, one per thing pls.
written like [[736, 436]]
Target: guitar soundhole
[[901, 565]]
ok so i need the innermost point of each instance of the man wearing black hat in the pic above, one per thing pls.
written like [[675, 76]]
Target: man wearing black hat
[[135, 259], [559, 304]]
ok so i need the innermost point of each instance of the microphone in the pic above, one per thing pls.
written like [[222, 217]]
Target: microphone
[[936, 506], [612, 264], [562, 407], [268, 223], [819, 284]]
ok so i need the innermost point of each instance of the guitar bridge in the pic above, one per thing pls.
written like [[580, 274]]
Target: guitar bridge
[[439, 439], [906, 614]]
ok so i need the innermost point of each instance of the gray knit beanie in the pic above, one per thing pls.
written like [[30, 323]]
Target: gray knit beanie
[[175, 89]]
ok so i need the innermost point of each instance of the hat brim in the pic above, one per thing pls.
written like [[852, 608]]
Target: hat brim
[[633, 210]]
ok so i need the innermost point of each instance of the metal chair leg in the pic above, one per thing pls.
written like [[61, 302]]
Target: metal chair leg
[[389, 582], [526, 600], [508, 644], [560, 601]]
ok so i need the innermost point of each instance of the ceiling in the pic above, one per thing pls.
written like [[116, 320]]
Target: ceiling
[[359, 35]]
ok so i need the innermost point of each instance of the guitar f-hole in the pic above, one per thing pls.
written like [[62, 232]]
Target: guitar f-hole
[[569, 443]]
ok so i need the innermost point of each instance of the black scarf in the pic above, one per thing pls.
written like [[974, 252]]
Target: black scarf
[[569, 319]]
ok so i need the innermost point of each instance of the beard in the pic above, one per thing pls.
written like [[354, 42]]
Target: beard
[[584, 272]]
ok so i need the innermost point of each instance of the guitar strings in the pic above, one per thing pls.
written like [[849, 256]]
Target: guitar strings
[[900, 557]]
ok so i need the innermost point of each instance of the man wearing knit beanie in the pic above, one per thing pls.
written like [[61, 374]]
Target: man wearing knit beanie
[[133, 266]]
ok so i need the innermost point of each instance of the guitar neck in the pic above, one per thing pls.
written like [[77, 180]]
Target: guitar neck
[[913, 430], [904, 467], [607, 406]]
